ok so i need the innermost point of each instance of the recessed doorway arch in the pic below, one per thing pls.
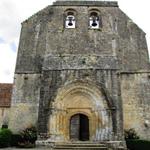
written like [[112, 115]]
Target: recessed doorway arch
[[80, 98]]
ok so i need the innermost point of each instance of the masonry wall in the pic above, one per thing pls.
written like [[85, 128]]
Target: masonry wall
[[25, 101], [135, 89], [43, 37], [4, 115]]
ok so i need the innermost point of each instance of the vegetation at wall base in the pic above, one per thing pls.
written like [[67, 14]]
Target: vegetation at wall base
[[29, 134], [15, 139], [134, 142], [137, 144], [131, 134], [5, 137], [27, 138], [4, 126], [24, 139]]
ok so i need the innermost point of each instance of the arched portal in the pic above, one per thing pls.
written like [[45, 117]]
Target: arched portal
[[82, 107], [79, 127]]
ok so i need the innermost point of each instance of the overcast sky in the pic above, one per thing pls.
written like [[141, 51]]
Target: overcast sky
[[13, 12]]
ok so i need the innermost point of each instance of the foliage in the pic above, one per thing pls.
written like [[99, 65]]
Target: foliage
[[15, 139], [25, 139], [28, 137], [4, 126], [131, 134], [137, 144], [5, 137], [133, 142], [29, 134]]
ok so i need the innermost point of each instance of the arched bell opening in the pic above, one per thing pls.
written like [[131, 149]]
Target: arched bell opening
[[79, 127], [70, 18], [95, 21]]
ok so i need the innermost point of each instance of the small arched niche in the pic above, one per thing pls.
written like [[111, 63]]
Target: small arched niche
[[70, 18], [95, 21]]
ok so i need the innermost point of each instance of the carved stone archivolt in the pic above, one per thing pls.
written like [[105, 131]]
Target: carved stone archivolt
[[80, 98]]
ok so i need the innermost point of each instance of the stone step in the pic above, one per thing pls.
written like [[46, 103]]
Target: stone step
[[80, 146]]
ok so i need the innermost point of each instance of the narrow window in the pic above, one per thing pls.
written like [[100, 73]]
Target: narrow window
[[70, 20], [94, 20]]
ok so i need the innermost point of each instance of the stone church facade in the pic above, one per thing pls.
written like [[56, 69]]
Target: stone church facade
[[82, 74]]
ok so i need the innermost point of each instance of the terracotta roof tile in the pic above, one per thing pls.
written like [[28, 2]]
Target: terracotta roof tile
[[5, 94]]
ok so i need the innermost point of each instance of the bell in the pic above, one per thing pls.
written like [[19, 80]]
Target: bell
[[70, 23], [94, 24]]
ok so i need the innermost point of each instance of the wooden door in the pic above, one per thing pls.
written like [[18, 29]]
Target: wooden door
[[79, 127], [84, 128], [74, 127]]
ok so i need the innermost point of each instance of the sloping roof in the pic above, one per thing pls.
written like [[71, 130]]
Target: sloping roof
[[5, 94]]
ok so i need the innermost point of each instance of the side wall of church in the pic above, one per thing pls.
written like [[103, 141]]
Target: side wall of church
[[25, 101], [135, 90]]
